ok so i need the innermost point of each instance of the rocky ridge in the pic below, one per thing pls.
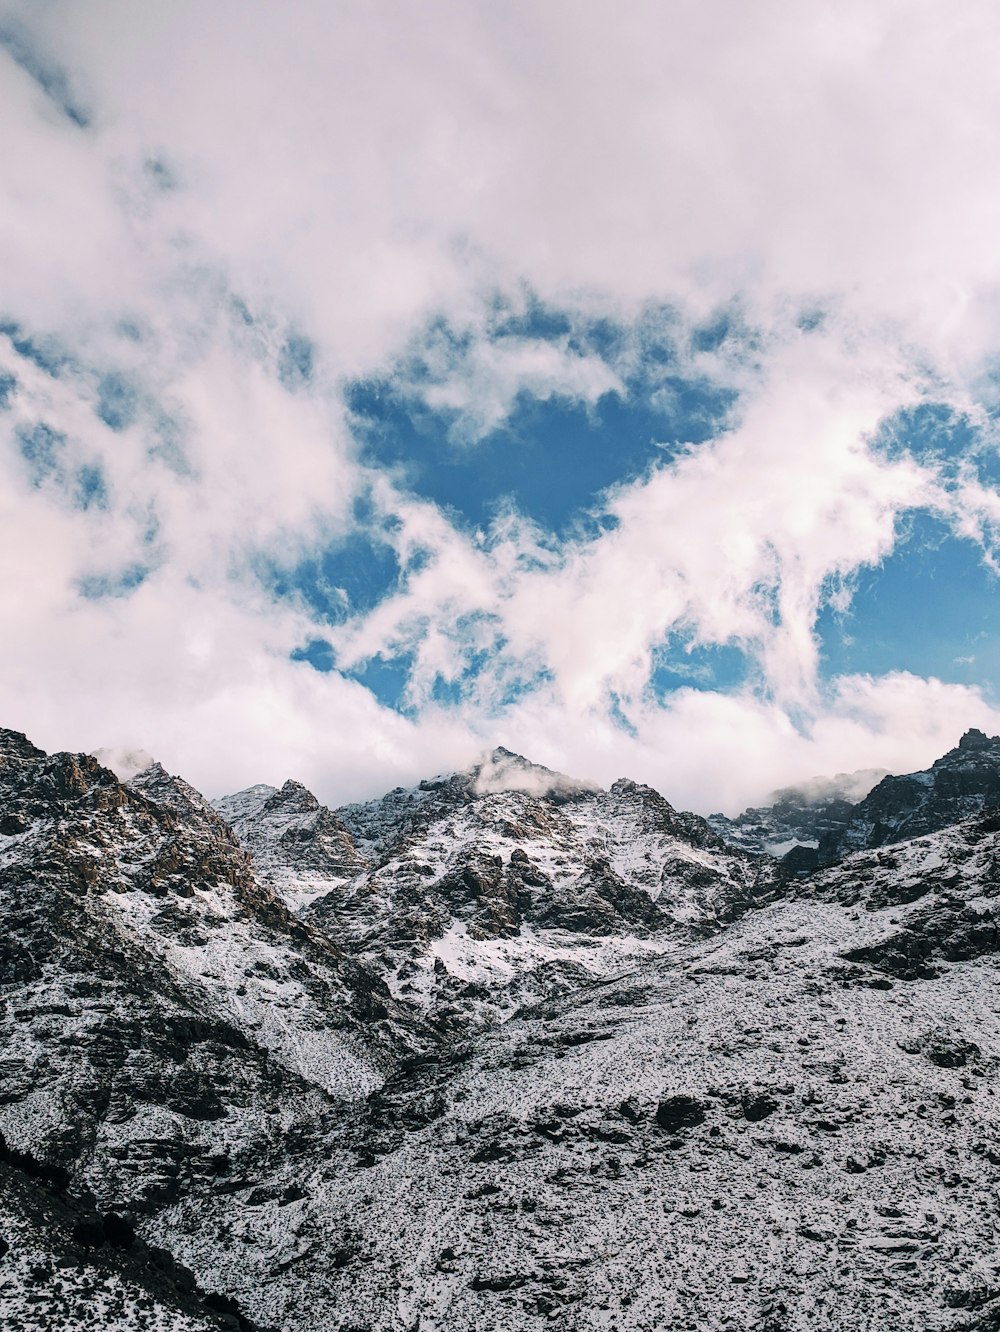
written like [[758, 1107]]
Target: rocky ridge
[[530, 1053], [818, 824], [507, 888], [301, 848], [961, 783], [798, 815], [475, 889]]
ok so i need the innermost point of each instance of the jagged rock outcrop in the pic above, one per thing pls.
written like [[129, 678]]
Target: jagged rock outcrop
[[165, 1019], [961, 783], [66, 1262], [812, 827], [540, 867]]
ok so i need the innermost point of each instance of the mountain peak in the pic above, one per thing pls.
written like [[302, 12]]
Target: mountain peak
[[15, 747], [976, 739], [503, 770], [293, 790], [173, 793], [125, 762]]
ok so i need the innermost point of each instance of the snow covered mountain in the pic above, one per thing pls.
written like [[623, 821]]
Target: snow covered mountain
[[798, 815], [300, 847], [528, 1052], [959, 784], [476, 890], [824, 820]]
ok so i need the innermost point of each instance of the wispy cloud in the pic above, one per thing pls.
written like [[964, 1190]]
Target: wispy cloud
[[49, 77]]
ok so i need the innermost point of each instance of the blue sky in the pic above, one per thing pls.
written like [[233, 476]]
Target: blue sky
[[374, 392], [930, 607]]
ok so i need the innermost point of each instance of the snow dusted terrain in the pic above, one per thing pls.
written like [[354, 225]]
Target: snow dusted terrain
[[504, 1051], [819, 823], [799, 815], [299, 847]]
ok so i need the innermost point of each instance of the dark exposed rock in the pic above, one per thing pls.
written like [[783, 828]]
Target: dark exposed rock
[[803, 816], [481, 892], [52, 1173], [800, 860], [971, 1297], [964, 782], [903, 955], [674, 1113], [943, 932], [88, 1249], [507, 1281], [657, 812], [757, 1106], [16, 749], [291, 835], [110, 1228], [941, 1048]]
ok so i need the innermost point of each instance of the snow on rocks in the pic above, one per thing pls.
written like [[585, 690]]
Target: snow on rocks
[[539, 1053], [300, 848], [551, 875]]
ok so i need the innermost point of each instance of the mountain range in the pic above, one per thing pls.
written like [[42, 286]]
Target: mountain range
[[503, 1050]]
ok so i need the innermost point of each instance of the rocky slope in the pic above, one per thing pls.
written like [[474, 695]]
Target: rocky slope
[[299, 847], [540, 1054], [485, 894], [819, 824], [170, 1034], [476, 890], [798, 815], [961, 783]]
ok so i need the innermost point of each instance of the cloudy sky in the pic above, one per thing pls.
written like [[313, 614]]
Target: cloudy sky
[[383, 382]]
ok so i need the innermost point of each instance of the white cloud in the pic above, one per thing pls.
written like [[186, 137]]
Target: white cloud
[[124, 763], [348, 174], [499, 771], [484, 387], [732, 542], [686, 750]]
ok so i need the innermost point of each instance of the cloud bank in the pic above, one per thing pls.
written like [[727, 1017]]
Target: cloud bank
[[543, 236]]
